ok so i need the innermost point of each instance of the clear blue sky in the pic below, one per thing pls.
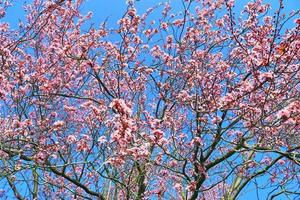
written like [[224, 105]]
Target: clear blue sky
[[114, 9]]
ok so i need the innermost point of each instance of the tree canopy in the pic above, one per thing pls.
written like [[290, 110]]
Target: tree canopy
[[198, 104]]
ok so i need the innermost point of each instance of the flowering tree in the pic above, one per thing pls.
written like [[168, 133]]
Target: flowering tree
[[200, 104]]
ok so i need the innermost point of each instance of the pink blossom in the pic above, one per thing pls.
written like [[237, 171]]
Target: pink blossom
[[120, 106], [158, 134], [131, 12], [164, 26], [281, 162], [58, 125], [71, 139], [178, 22], [102, 139], [266, 160]]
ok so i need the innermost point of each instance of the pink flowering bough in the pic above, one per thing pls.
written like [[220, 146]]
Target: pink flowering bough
[[199, 104]]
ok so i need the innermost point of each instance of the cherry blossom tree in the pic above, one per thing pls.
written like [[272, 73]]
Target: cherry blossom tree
[[198, 104]]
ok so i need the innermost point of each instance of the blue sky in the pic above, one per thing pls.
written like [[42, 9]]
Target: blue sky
[[114, 9]]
